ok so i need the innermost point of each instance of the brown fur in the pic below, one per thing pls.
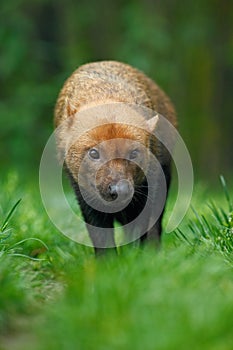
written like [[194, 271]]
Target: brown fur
[[104, 83], [110, 81]]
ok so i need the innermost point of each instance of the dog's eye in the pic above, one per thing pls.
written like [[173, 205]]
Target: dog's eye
[[134, 154], [94, 154]]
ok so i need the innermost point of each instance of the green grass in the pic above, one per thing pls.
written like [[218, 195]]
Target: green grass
[[54, 294]]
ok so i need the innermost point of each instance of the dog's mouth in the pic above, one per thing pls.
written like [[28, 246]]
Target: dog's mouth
[[109, 197]]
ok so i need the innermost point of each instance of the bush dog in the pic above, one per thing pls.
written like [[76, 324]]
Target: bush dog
[[105, 116]]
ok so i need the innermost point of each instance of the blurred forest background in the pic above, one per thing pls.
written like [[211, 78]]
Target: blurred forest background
[[186, 46]]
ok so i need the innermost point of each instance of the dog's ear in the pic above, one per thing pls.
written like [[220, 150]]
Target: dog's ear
[[151, 123]]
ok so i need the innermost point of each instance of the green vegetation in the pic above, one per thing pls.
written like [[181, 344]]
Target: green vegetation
[[61, 297], [186, 47], [54, 294]]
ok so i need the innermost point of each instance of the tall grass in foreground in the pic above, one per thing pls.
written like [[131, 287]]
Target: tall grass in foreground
[[214, 231], [177, 297], [13, 249], [13, 299]]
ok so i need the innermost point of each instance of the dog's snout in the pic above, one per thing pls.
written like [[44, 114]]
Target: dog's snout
[[121, 188], [113, 191]]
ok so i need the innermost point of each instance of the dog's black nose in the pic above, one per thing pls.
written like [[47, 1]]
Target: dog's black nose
[[121, 188], [113, 191]]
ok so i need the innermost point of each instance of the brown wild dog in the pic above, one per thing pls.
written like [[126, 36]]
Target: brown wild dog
[[106, 115]]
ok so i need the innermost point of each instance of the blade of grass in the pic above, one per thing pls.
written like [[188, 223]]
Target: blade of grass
[[25, 256], [184, 237], [210, 233], [215, 212], [29, 239], [199, 219], [6, 221], [225, 216], [226, 192]]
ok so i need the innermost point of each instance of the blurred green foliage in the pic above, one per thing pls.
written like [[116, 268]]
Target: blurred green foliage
[[187, 47]]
